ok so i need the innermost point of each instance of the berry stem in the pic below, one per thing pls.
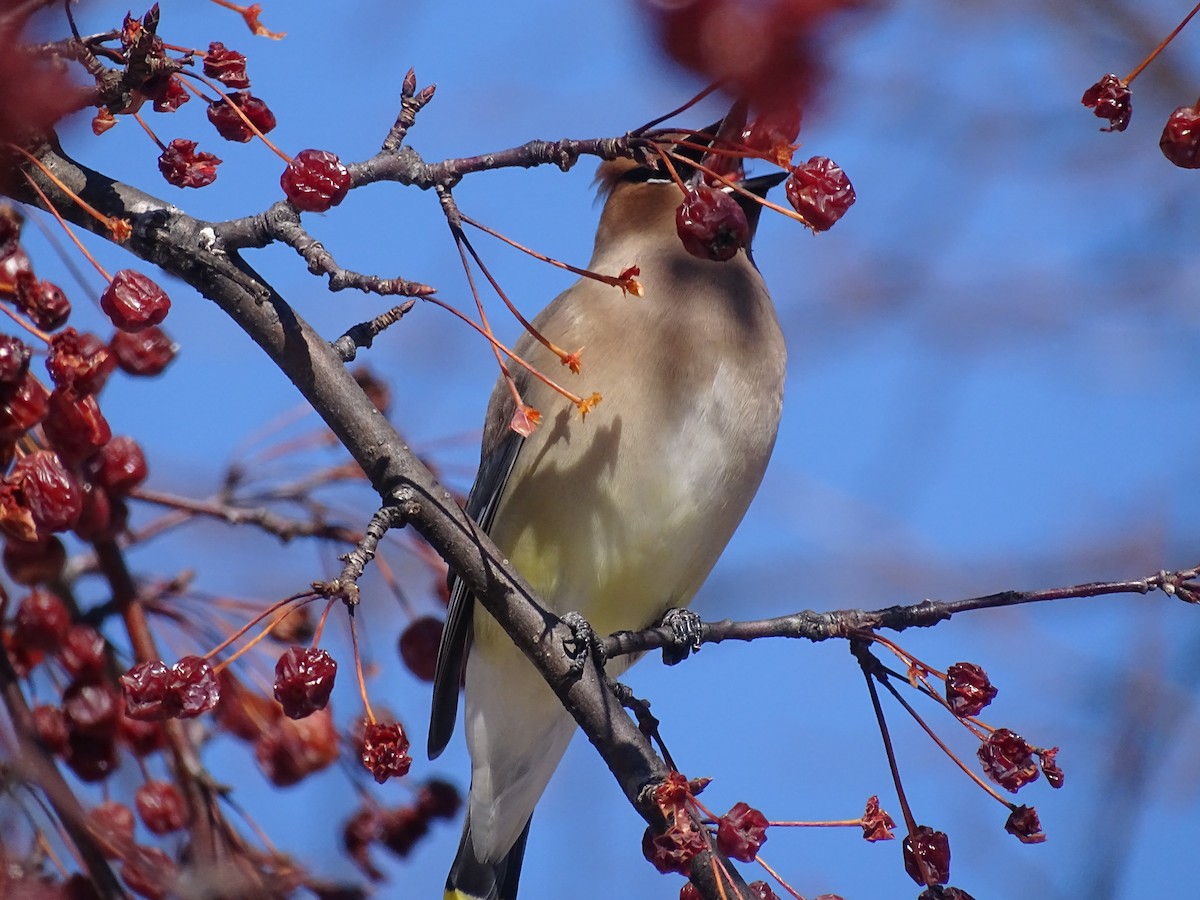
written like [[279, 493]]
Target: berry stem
[[715, 86], [778, 878], [761, 201], [241, 115], [1161, 47], [306, 596], [154, 137], [868, 664], [28, 326], [358, 668], [112, 225]]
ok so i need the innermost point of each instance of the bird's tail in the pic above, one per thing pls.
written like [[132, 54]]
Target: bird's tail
[[471, 879]]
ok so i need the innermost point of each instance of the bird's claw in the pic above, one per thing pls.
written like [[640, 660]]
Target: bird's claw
[[582, 642], [686, 629]]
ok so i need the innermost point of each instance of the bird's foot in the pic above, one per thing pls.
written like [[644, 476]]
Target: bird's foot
[[584, 641], [686, 628]]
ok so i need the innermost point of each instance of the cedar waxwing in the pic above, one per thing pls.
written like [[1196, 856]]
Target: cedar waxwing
[[619, 516]]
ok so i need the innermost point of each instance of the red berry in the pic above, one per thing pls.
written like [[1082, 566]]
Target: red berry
[[167, 93], [674, 849], [385, 751], [773, 132], [439, 799], [50, 726], [362, 830], [119, 466], [154, 692], [820, 191], [102, 517], [690, 892], [26, 407], [43, 302], [74, 425], [741, 831], [150, 873], [91, 709], [877, 825], [315, 180], [419, 646], [113, 824], [183, 167], [227, 66], [143, 353], [1180, 141], [242, 712], [711, 224], [402, 828], [14, 363], [932, 848], [80, 361], [50, 493], [290, 750], [142, 738], [303, 680], [968, 689], [42, 621], [91, 758], [133, 302], [762, 891], [230, 125], [1049, 762], [160, 806], [1110, 98], [1024, 825], [83, 653], [1008, 760]]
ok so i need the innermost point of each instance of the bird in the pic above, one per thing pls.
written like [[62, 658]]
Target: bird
[[618, 516]]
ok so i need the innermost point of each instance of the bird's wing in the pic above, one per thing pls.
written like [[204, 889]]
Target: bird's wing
[[494, 470]]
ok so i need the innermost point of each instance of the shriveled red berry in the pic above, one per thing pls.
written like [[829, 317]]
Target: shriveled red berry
[[79, 360], [133, 302], [26, 407], [933, 849], [230, 125], [711, 224], [1180, 141], [690, 892], [42, 620], [142, 738], [1110, 98], [290, 750], [673, 849], [74, 425], [773, 132], [820, 191], [161, 807], [44, 302], [150, 873], [762, 891], [877, 825], [183, 167], [1049, 763], [1008, 760], [113, 825], [82, 653], [225, 65], [24, 658], [50, 726], [315, 180], [168, 94], [91, 709], [119, 466], [419, 646], [15, 519], [1023, 824], [90, 757], [402, 828], [439, 799], [50, 492], [241, 711], [143, 353], [14, 363], [303, 680], [184, 691], [968, 689], [741, 831], [363, 829], [103, 516], [34, 562], [385, 751]]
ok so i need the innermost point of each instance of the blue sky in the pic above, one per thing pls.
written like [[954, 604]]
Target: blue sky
[[992, 385]]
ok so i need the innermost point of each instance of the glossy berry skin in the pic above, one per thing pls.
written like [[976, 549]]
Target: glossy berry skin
[[154, 692], [225, 65], [184, 167], [711, 224], [161, 807], [1008, 760], [820, 192], [230, 125], [1180, 141], [50, 492], [385, 751], [932, 848], [1110, 98], [968, 689], [144, 353], [419, 646], [74, 425], [303, 680], [133, 302], [741, 831], [315, 180], [119, 466], [14, 363], [42, 621]]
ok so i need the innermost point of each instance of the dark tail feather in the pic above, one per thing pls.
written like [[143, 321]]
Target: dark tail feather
[[470, 879]]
